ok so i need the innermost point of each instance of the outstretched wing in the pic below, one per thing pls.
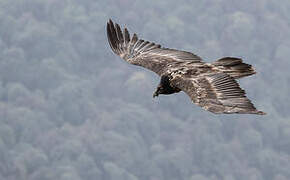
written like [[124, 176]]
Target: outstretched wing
[[216, 92], [144, 53]]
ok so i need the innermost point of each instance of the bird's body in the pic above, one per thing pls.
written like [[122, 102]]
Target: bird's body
[[209, 85]]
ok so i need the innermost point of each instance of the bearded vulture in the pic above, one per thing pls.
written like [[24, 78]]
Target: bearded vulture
[[209, 85]]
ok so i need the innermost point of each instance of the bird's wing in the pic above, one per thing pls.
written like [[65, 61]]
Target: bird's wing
[[215, 92], [144, 53]]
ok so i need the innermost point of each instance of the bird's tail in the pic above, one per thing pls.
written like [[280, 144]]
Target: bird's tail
[[234, 67]]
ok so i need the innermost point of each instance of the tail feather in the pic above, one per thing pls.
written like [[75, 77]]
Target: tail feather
[[234, 67]]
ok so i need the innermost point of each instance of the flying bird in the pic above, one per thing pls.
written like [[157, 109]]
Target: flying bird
[[212, 86]]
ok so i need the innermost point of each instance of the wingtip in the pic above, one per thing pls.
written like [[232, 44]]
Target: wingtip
[[261, 113], [253, 70], [110, 23]]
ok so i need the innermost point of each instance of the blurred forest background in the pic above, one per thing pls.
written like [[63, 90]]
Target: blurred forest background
[[72, 110]]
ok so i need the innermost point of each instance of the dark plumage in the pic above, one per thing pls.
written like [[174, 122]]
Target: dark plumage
[[209, 85]]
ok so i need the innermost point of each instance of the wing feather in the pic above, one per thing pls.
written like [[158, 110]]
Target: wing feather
[[144, 53], [127, 36], [218, 93], [119, 35]]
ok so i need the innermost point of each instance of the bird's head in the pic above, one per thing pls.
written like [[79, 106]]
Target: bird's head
[[158, 91]]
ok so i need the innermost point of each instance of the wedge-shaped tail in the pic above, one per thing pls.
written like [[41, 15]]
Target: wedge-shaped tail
[[234, 67]]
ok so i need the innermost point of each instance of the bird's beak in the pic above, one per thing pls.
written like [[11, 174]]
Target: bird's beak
[[155, 94]]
